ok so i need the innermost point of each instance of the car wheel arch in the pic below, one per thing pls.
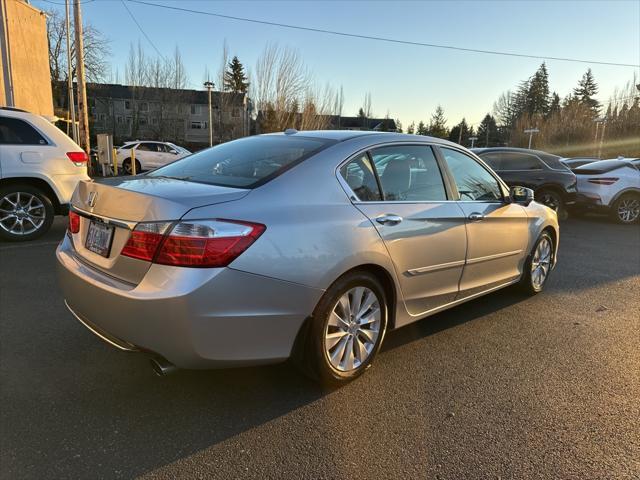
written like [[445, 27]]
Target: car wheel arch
[[38, 183]]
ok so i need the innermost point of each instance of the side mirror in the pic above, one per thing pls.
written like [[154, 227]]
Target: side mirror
[[175, 152], [521, 195]]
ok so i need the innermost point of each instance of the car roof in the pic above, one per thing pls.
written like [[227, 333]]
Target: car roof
[[344, 135]]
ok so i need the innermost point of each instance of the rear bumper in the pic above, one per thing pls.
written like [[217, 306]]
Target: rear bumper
[[590, 201], [195, 318]]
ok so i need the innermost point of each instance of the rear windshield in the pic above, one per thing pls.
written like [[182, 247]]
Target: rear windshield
[[245, 163]]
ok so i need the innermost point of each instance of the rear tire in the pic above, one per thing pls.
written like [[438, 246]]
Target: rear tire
[[346, 330], [126, 167], [553, 200], [26, 213], [537, 268], [626, 209]]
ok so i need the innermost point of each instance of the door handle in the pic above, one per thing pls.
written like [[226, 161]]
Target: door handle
[[389, 219], [476, 217]]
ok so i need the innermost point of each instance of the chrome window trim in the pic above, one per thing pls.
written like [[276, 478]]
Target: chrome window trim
[[364, 151]]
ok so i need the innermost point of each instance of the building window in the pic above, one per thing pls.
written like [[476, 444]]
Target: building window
[[119, 119], [195, 109], [127, 105], [198, 125], [102, 117], [236, 112], [144, 106], [128, 120], [154, 120], [142, 121]]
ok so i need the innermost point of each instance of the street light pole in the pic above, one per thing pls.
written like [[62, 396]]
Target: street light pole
[[70, 95], [209, 86], [82, 89], [531, 131]]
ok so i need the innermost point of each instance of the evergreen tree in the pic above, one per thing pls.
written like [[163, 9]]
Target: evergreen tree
[[554, 105], [585, 91], [411, 129], [460, 133], [437, 125], [488, 134], [398, 126], [422, 129], [235, 79], [537, 94]]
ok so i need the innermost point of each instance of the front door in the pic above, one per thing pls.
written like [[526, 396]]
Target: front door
[[497, 230], [404, 196]]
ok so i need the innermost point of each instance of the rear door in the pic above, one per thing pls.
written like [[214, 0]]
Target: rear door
[[497, 230], [147, 155], [517, 168], [400, 188], [21, 147]]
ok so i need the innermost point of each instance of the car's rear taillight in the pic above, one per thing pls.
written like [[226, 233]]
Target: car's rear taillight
[[144, 240], [199, 243], [603, 180], [79, 158], [74, 222]]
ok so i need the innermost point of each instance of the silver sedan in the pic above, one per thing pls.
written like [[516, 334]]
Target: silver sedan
[[308, 245]]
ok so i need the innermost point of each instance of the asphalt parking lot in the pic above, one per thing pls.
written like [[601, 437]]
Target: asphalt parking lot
[[502, 387]]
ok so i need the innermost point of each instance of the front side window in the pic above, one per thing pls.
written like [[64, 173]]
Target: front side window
[[18, 132], [409, 173], [244, 163], [474, 182], [359, 175]]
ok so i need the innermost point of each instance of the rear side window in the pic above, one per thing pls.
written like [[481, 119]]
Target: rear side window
[[409, 173], [504, 161], [14, 131], [245, 163], [360, 177]]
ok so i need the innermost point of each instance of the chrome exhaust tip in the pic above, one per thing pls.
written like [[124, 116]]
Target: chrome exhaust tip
[[162, 367]]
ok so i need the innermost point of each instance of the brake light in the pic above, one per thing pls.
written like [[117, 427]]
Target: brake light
[[144, 240], [201, 243], [79, 158], [74, 222], [603, 180]]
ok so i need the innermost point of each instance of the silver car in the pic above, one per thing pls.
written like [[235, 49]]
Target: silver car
[[308, 245]]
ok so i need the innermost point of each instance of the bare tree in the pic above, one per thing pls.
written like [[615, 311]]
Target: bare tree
[[96, 51]]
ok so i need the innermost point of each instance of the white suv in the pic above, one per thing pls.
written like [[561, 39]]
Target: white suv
[[149, 155], [40, 167]]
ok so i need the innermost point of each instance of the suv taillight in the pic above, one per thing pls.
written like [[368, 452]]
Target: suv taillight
[[74, 222], [79, 158], [603, 180], [199, 243]]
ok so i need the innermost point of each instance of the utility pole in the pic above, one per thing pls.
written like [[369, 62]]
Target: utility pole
[[82, 88], [599, 121], [604, 126], [531, 131], [70, 95], [473, 141], [209, 85]]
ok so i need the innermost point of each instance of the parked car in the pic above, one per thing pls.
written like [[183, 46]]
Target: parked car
[[303, 244], [611, 186], [576, 162], [149, 155], [40, 167], [553, 183]]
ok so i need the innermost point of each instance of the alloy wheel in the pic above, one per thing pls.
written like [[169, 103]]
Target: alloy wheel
[[629, 210], [353, 329], [550, 200], [541, 263], [21, 213]]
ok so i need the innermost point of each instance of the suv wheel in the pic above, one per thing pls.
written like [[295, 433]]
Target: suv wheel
[[126, 167], [551, 199], [346, 330], [626, 209], [25, 213]]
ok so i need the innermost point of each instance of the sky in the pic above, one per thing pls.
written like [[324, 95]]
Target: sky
[[407, 82]]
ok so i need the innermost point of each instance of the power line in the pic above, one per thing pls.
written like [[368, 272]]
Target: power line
[[381, 39], [143, 32]]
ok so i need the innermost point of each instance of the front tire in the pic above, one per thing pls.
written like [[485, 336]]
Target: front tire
[[626, 209], [537, 268], [26, 213], [346, 330]]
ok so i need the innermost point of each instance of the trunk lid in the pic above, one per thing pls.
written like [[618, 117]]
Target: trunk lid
[[121, 203]]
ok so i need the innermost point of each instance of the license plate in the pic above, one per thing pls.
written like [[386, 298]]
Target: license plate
[[99, 238]]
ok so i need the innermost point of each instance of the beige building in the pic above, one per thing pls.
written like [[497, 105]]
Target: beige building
[[25, 80]]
